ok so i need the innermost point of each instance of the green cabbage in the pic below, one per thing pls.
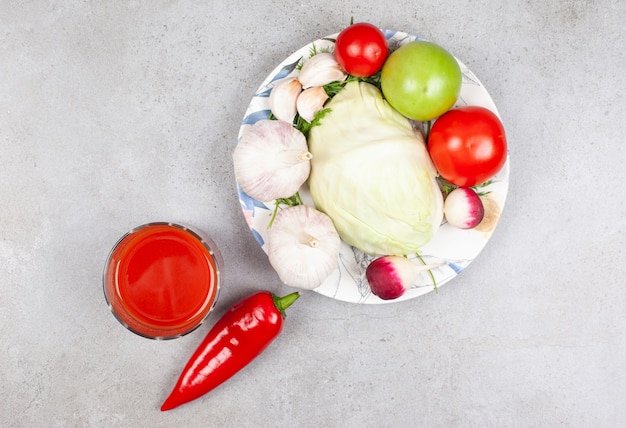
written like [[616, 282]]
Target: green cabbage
[[371, 174]]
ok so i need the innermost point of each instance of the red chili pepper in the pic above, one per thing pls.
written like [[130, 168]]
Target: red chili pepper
[[238, 337]]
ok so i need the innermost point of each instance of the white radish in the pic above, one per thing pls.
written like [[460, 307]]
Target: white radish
[[390, 276], [463, 208]]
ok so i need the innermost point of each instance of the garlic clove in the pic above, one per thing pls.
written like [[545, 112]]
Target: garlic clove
[[303, 246], [283, 99], [272, 160], [311, 101], [320, 70]]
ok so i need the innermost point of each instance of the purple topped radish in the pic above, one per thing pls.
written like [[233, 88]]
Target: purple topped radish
[[390, 276], [463, 208]]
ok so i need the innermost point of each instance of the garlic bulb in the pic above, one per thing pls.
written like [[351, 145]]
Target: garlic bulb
[[283, 99], [271, 160], [303, 246], [310, 102], [320, 70]]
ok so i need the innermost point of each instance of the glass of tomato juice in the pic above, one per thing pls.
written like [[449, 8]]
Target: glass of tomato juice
[[161, 280]]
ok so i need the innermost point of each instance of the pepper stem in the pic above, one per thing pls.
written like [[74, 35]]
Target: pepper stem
[[284, 302]]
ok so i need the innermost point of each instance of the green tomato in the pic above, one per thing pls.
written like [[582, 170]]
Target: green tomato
[[421, 80]]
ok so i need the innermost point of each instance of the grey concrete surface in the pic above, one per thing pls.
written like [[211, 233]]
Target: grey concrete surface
[[113, 114]]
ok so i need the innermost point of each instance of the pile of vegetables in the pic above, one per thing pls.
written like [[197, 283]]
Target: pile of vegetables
[[350, 126], [387, 158]]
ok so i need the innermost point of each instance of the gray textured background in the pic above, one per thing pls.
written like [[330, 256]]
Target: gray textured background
[[113, 114]]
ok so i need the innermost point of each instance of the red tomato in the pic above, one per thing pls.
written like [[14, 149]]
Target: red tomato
[[467, 145], [361, 49]]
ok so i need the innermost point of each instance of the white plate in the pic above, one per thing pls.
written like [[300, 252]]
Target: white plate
[[456, 247]]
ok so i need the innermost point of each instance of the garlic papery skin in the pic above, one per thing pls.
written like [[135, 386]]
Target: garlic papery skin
[[320, 70], [283, 98], [303, 246], [272, 160], [311, 101]]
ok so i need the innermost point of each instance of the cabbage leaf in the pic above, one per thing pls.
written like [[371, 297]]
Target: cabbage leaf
[[371, 174]]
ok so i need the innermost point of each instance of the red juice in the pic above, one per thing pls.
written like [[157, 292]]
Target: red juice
[[161, 280]]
